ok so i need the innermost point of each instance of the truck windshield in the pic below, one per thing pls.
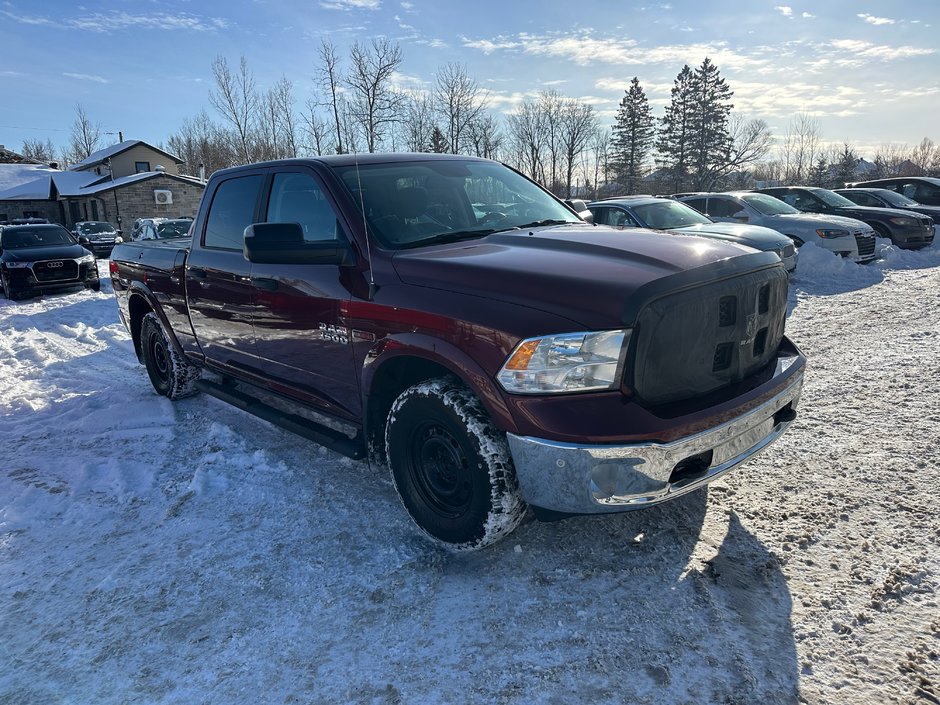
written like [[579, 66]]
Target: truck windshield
[[410, 204]]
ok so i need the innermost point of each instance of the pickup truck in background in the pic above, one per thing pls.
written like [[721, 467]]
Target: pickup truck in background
[[449, 317]]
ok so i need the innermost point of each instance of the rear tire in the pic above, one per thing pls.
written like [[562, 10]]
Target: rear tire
[[452, 466], [170, 373]]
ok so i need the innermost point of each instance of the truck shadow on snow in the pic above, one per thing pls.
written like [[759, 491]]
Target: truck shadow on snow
[[638, 603]]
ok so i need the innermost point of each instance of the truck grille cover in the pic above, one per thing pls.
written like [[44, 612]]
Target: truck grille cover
[[698, 340]]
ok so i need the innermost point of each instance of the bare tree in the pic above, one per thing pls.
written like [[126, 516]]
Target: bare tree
[[801, 148], [418, 124], [316, 129], [751, 141], [484, 138], [458, 101], [200, 142], [925, 156], [330, 79], [236, 99], [528, 140], [601, 147], [575, 130], [376, 106], [551, 104], [85, 136], [38, 151], [889, 160]]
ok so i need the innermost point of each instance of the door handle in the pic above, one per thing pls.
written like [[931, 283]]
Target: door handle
[[264, 283]]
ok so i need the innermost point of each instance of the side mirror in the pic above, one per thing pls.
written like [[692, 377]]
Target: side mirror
[[580, 207], [83, 240], [741, 216], [283, 243]]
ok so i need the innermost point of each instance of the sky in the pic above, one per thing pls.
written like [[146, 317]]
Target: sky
[[868, 71]]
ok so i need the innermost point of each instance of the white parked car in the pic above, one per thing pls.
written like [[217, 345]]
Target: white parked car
[[847, 237]]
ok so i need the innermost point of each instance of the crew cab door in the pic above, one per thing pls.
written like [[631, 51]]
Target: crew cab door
[[300, 335], [218, 285]]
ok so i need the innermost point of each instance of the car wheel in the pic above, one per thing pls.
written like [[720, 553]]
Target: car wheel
[[95, 286], [7, 291], [451, 466], [170, 373]]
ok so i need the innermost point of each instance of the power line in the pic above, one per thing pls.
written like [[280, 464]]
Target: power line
[[40, 129]]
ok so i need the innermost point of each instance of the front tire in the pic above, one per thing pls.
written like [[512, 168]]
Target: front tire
[[170, 373], [7, 291], [452, 466]]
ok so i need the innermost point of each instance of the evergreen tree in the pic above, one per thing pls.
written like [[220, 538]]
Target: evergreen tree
[[712, 143], [844, 168], [819, 172], [438, 141], [674, 141], [633, 134]]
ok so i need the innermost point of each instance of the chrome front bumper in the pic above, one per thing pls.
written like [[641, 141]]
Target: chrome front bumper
[[593, 479]]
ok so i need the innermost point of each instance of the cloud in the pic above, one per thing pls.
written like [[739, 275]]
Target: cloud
[[408, 6], [86, 77], [871, 19], [352, 5], [585, 50], [784, 10], [808, 16], [114, 21], [860, 51]]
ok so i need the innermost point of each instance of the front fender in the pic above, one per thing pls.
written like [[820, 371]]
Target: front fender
[[445, 355]]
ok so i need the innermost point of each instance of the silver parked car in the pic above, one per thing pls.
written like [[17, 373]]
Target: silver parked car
[[657, 213], [847, 237]]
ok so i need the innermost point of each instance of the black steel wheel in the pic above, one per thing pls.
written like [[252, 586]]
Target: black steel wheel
[[451, 465], [170, 373]]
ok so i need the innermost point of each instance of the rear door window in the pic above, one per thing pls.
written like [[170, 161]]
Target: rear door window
[[232, 210], [723, 208]]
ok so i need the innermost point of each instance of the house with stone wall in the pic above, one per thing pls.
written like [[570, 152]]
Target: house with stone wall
[[118, 184]]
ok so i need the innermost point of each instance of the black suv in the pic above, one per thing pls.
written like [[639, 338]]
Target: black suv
[[43, 258], [923, 189], [905, 228], [885, 198]]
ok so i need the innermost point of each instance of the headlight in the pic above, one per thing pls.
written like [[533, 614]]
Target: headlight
[[86, 259], [16, 265], [568, 362], [118, 240], [906, 222], [829, 233]]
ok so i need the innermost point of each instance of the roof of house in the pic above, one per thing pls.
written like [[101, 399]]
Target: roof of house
[[103, 155], [14, 175], [79, 184]]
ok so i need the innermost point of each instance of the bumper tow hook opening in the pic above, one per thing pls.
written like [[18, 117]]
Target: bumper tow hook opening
[[691, 468], [785, 415]]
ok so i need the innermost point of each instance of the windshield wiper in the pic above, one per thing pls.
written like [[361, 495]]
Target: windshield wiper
[[546, 221], [451, 236]]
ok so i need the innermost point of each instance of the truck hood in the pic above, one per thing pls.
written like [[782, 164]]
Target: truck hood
[[751, 235], [586, 274]]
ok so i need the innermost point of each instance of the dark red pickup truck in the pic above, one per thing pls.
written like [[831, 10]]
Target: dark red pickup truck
[[449, 317]]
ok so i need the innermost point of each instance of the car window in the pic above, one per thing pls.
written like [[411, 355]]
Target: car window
[[232, 210], [298, 198], [696, 203], [722, 208], [800, 201], [616, 217], [862, 199]]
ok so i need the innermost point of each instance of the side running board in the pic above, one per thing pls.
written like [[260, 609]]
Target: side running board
[[318, 433]]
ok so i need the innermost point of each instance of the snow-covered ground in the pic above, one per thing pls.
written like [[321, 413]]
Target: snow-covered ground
[[153, 552]]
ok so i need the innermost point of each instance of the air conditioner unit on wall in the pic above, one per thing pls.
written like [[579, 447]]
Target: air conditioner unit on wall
[[162, 196]]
